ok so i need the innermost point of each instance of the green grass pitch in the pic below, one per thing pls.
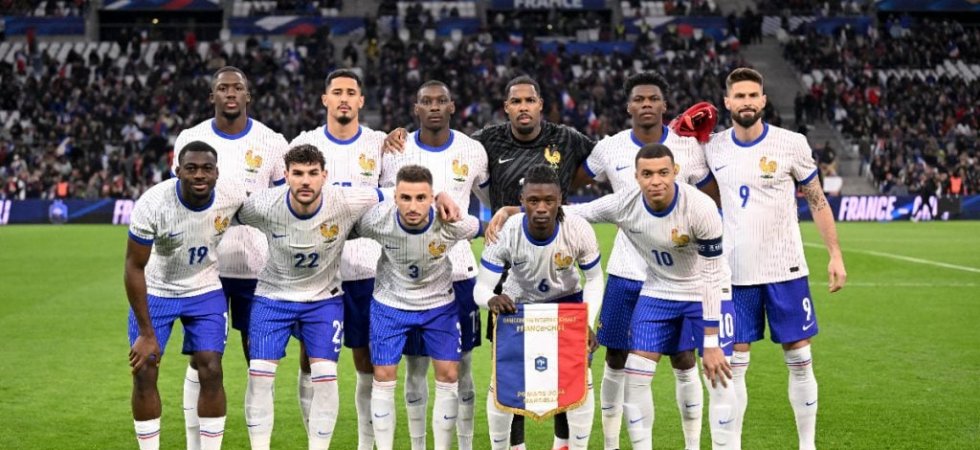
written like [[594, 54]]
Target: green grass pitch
[[897, 358]]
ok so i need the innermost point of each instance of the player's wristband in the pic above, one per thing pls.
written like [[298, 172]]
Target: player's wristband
[[711, 341]]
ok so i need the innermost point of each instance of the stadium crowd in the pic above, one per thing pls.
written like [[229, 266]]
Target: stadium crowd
[[906, 148], [92, 127]]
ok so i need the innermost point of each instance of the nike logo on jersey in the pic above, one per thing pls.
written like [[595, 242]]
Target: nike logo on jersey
[[581, 437], [635, 231], [322, 434], [725, 422], [504, 161], [277, 236], [808, 326], [336, 349], [691, 406], [175, 234], [497, 441], [607, 408], [637, 420], [720, 167], [413, 401], [251, 425], [519, 263], [445, 417], [811, 403], [380, 416], [467, 399], [725, 344], [391, 247], [618, 168]]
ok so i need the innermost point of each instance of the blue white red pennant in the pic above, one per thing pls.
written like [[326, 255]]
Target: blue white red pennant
[[541, 359]]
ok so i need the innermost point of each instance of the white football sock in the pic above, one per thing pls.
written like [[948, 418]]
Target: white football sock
[[305, 393], [192, 392], [740, 365], [416, 398], [148, 433], [212, 432], [445, 411], [580, 422], [611, 402], [324, 404], [721, 415], [499, 424], [467, 399], [690, 401], [383, 413], [259, 407], [638, 402], [803, 395], [362, 403]]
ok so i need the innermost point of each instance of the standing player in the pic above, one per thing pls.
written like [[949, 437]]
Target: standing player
[[540, 247], [758, 168], [352, 154], [524, 141], [250, 154], [613, 161], [171, 273], [459, 166], [679, 232], [305, 224], [414, 294]]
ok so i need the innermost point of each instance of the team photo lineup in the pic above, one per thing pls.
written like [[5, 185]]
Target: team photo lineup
[[352, 237]]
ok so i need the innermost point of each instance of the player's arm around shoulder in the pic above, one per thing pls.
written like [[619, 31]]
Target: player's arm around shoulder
[[823, 217], [466, 229]]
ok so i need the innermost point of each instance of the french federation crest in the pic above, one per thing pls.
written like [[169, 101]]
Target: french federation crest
[[552, 156], [329, 232], [679, 240], [541, 364], [460, 171], [367, 165], [221, 224], [562, 262], [768, 167], [436, 249], [252, 161]]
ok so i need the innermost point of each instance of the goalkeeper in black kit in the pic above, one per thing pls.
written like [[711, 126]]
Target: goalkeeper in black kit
[[525, 141]]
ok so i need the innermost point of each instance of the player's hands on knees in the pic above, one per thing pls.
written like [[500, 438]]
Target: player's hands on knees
[[447, 208], [716, 367], [497, 223], [146, 350], [593, 342], [836, 273], [501, 304], [395, 141]]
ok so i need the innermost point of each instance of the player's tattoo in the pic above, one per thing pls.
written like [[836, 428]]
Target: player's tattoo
[[814, 195]]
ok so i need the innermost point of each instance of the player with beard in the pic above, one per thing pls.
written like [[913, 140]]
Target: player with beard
[[459, 166], [513, 147], [251, 154], [758, 167]]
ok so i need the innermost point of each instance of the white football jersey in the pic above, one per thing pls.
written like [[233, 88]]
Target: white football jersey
[[458, 168], [414, 272], [354, 162], [614, 159], [254, 158], [542, 271], [674, 243], [758, 182], [305, 252], [183, 261]]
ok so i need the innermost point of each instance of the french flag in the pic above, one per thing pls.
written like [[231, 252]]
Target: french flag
[[567, 101], [472, 110], [541, 359], [516, 38]]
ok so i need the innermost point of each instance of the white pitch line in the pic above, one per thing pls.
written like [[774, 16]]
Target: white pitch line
[[900, 284], [906, 258]]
